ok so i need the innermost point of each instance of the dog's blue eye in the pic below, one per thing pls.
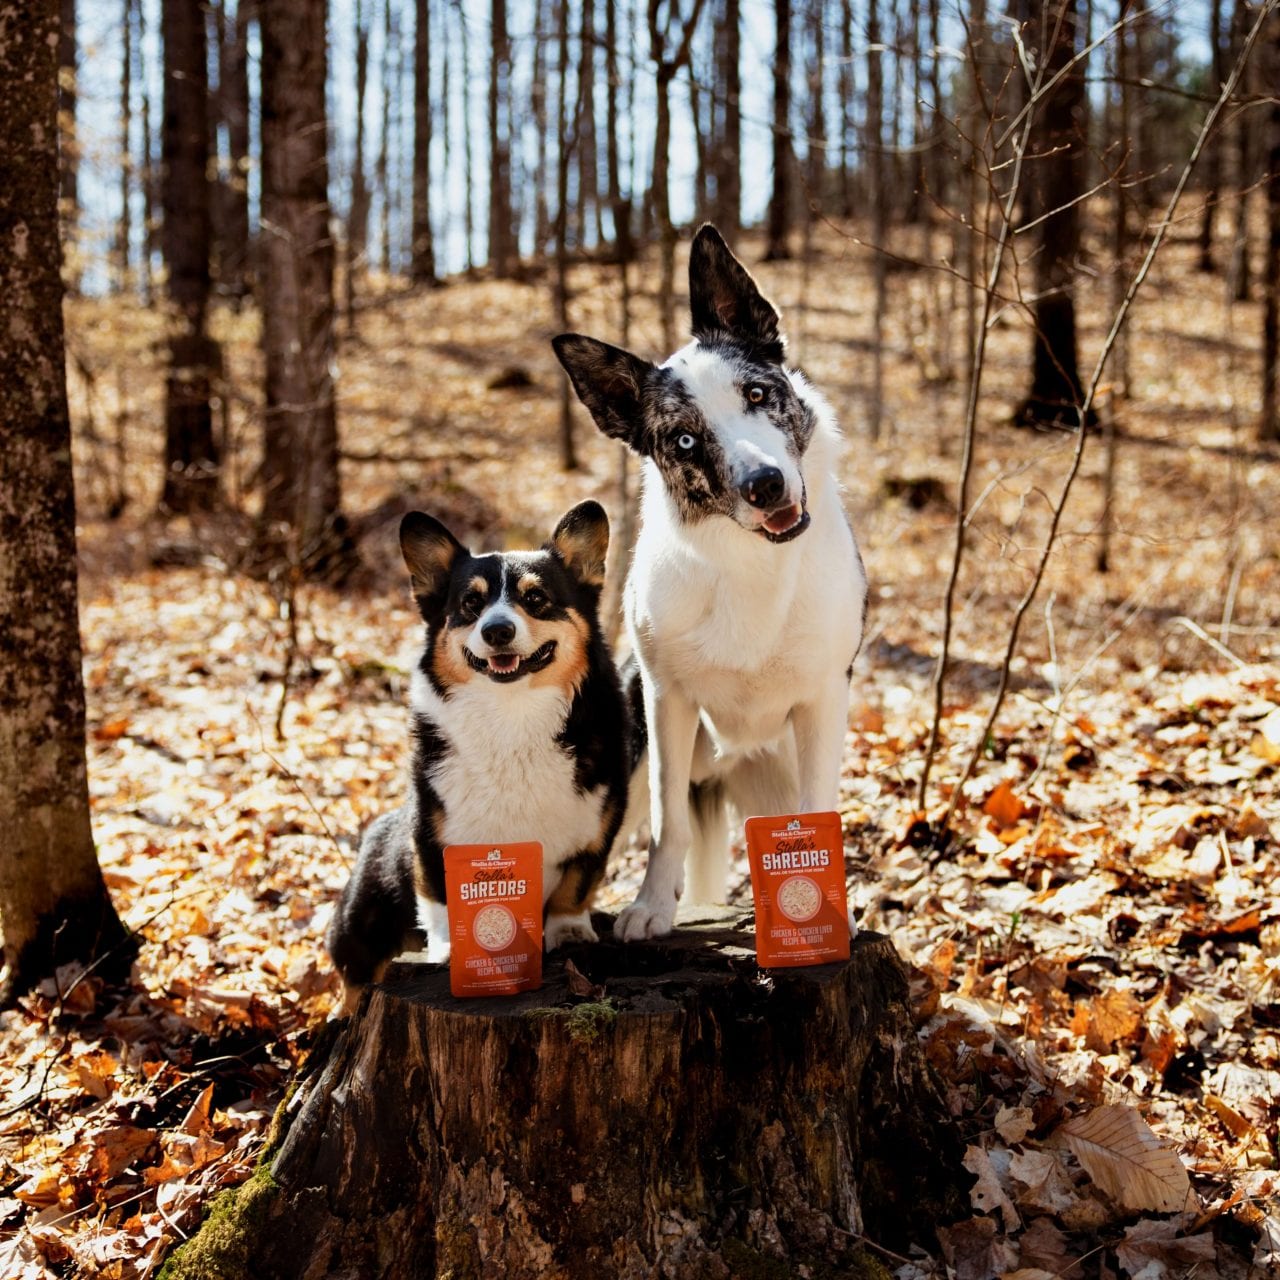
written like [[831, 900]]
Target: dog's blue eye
[[686, 442]]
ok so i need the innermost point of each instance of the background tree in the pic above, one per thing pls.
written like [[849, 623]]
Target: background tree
[[1054, 188], [422, 256], [502, 244], [358, 210], [229, 112], [190, 455], [54, 906], [301, 518], [669, 51], [68, 156], [1270, 425], [779, 223]]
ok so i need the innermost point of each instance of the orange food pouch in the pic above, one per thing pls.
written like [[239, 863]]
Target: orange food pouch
[[494, 896], [797, 880]]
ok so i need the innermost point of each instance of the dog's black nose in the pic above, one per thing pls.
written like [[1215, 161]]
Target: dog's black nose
[[764, 488], [498, 632]]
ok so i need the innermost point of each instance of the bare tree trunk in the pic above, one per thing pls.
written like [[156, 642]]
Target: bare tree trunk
[[587, 154], [235, 260], [538, 109], [358, 214], [301, 522], [728, 160], [568, 138], [467, 149], [54, 907], [149, 170], [1245, 165], [848, 90], [667, 68], [1269, 426], [1054, 194], [68, 144], [190, 456], [702, 144], [817, 154], [1213, 154], [1120, 216], [502, 256], [779, 225], [124, 230], [382, 167], [875, 159], [422, 263]]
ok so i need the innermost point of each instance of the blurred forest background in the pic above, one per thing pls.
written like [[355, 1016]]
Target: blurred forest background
[[312, 256]]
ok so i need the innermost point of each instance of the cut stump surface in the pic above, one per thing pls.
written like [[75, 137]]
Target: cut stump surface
[[656, 1109]]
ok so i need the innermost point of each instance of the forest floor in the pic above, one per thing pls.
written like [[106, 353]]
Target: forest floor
[[1096, 955]]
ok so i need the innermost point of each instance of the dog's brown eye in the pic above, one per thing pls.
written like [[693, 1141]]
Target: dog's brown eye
[[535, 599], [756, 394], [472, 603]]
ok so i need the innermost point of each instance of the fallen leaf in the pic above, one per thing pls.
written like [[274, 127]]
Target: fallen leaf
[[1127, 1161], [1043, 1182], [580, 984], [1004, 807], [973, 1250], [1014, 1123], [1151, 1248], [987, 1195]]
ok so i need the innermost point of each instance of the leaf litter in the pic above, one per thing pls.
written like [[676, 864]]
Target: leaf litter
[[1095, 957]]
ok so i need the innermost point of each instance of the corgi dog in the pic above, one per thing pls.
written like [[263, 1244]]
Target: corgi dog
[[520, 732], [746, 598]]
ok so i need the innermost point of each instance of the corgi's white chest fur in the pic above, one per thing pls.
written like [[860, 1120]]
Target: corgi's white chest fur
[[506, 777]]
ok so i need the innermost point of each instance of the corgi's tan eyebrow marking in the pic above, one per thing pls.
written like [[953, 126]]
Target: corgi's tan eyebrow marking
[[479, 584], [527, 582]]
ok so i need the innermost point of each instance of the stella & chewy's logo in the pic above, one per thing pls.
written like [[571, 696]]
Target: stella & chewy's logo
[[794, 824], [494, 855]]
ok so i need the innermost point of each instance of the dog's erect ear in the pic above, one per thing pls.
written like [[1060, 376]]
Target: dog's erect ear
[[609, 381], [724, 299], [581, 540], [429, 550]]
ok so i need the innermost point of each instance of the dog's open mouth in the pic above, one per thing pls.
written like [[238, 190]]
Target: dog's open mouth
[[505, 667], [785, 523]]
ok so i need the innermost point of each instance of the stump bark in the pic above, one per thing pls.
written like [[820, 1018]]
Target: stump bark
[[687, 1116]]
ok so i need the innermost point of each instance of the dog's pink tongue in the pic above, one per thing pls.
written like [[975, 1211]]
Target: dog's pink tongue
[[504, 663], [781, 521]]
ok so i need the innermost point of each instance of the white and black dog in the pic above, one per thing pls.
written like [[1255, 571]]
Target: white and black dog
[[746, 599], [520, 732]]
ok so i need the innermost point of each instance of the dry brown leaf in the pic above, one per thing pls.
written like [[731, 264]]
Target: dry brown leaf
[[196, 1121], [1233, 1121], [987, 1195], [1014, 1123], [974, 1251], [1126, 1160], [1042, 1182], [1003, 806], [1114, 1016], [1151, 1250]]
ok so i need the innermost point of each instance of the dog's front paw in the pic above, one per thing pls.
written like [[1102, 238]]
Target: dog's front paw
[[438, 948], [644, 919], [561, 929]]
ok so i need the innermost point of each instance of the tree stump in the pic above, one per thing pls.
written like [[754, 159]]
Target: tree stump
[[657, 1109]]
